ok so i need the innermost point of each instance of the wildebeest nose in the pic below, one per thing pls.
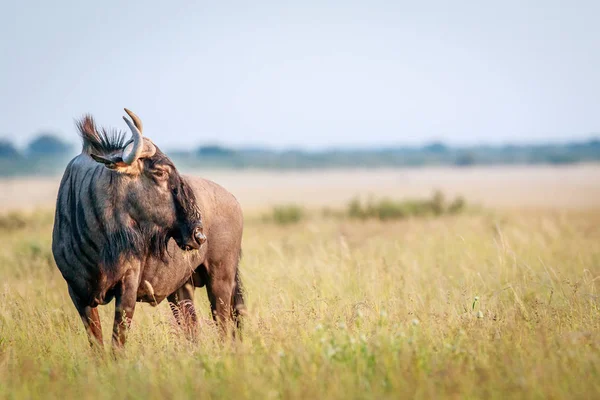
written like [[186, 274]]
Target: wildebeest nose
[[200, 237]]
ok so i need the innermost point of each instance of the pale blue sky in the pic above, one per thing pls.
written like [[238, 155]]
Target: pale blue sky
[[305, 74]]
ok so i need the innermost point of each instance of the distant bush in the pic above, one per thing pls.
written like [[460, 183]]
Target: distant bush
[[561, 159], [388, 209], [437, 203], [214, 151], [7, 149], [286, 214], [436, 147], [14, 220], [465, 159], [457, 206]]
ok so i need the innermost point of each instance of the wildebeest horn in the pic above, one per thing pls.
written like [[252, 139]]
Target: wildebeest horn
[[136, 147], [136, 120]]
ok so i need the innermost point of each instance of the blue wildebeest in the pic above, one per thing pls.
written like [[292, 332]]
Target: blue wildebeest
[[128, 226]]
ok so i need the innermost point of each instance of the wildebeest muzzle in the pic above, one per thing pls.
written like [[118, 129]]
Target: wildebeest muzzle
[[191, 240]]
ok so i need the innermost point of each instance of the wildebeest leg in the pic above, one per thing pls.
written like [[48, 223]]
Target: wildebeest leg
[[182, 306], [90, 318], [125, 299], [220, 288]]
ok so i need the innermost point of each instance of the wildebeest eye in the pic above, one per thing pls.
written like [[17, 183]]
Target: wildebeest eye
[[159, 173]]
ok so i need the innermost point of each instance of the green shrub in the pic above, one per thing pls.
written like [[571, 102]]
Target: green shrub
[[457, 206], [389, 209], [438, 203], [286, 214], [355, 209], [14, 220]]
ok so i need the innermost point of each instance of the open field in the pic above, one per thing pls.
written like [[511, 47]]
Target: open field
[[499, 302], [572, 187]]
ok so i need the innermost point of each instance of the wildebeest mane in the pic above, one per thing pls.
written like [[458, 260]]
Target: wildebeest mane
[[99, 141], [185, 199]]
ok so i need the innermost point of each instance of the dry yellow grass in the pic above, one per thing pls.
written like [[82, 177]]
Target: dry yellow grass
[[491, 304]]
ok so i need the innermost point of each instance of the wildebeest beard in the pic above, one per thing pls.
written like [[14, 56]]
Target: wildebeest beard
[[136, 242]]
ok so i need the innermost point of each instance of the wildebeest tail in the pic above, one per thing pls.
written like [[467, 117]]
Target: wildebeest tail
[[239, 307]]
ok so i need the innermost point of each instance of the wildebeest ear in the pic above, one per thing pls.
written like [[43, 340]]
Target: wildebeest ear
[[110, 163]]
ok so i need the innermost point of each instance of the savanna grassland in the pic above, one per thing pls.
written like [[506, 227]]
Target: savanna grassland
[[497, 299]]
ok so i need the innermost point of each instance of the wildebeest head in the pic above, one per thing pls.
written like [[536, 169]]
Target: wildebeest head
[[154, 195]]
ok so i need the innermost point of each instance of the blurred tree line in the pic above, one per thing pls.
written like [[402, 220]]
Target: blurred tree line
[[44, 144], [44, 155], [48, 154], [435, 153]]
